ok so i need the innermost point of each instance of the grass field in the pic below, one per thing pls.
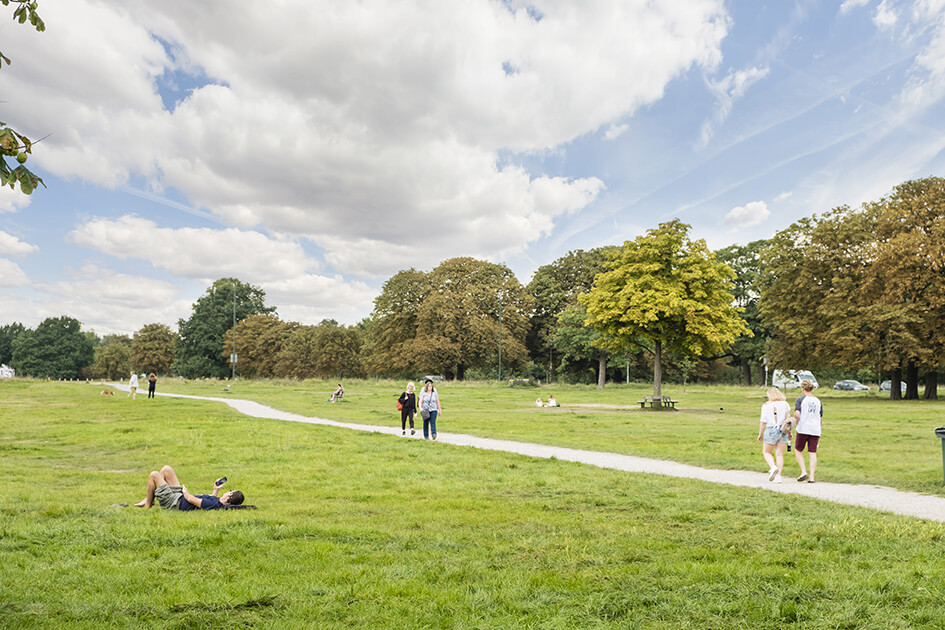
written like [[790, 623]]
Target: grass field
[[867, 438], [361, 530]]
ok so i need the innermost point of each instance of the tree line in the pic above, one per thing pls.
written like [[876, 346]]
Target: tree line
[[852, 289]]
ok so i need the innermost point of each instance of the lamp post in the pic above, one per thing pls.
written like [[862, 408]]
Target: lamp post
[[233, 354], [500, 338]]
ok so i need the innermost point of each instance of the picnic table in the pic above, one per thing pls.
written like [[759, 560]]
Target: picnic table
[[657, 401]]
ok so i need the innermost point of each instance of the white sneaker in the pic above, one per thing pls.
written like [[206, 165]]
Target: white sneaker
[[772, 473], [777, 478]]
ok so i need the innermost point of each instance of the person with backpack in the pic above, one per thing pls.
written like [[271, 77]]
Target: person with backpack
[[774, 414]]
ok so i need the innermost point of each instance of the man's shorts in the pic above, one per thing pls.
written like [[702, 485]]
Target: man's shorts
[[773, 435], [168, 497], [810, 441]]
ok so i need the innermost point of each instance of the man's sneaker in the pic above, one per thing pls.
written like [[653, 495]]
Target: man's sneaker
[[777, 479], [802, 477], [412, 431], [772, 473], [403, 433]]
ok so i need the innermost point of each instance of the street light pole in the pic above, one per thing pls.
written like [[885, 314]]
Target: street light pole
[[233, 354], [500, 338]]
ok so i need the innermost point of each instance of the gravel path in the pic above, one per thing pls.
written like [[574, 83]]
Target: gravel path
[[875, 497]]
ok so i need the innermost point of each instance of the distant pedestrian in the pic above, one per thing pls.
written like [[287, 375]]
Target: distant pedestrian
[[809, 417], [408, 407], [152, 384], [773, 414], [429, 409], [133, 385]]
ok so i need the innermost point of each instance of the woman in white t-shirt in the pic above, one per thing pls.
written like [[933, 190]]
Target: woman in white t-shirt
[[773, 413]]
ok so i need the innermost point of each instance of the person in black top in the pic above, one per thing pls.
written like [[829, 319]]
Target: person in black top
[[408, 402]]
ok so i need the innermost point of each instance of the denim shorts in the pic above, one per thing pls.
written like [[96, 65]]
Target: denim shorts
[[773, 435]]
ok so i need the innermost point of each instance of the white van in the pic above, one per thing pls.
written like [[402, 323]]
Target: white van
[[788, 379]]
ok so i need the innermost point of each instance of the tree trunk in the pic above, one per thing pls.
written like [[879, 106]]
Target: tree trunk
[[601, 371], [912, 381], [895, 389], [762, 377], [931, 385], [658, 369], [461, 372], [746, 373]]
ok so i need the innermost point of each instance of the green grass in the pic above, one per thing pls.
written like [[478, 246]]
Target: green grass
[[362, 530], [867, 438]]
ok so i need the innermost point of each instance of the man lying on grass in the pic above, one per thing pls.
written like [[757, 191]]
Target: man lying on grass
[[164, 486]]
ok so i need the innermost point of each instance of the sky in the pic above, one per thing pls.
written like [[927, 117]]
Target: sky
[[316, 148]]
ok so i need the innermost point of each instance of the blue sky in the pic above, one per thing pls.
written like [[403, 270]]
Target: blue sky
[[316, 148]]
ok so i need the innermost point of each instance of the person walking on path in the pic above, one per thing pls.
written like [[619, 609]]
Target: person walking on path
[[165, 488], [773, 414], [408, 407], [133, 385], [429, 409], [152, 384], [808, 416]]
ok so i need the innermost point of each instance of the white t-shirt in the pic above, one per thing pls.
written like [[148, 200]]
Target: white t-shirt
[[133, 382], [812, 410], [774, 412]]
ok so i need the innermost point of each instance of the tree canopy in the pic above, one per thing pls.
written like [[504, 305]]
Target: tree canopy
[[152, 349], [56, 349], [452, 319], [12, 143], [668, 292], [198, 347]]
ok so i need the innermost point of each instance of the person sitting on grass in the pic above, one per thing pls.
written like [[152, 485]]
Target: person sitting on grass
[[338, 394], [551, 401], [170, 494], [538, 402]]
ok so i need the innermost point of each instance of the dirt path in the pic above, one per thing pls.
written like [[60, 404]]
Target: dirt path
[[875, 497]]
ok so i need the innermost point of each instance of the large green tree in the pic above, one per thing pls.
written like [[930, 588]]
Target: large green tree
[[745, 261], [863, 287], [668, 292], [113, 358], [56, 349], [578, 342], [449, 320], [389, 348], [152, 348], [198, 347], [13, 144], [8, 333], [555, 288]]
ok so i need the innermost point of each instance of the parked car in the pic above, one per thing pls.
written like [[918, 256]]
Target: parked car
[[850, 386], [786, 379], [886, 386]]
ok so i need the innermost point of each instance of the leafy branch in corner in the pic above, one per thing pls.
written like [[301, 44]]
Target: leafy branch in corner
[[12, 143]]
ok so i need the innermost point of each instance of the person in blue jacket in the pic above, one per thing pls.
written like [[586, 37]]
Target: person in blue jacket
[[165, 488]]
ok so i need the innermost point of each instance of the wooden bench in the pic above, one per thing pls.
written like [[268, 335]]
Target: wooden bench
[[657, 401]]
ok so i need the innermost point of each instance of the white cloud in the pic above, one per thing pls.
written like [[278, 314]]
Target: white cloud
[[885, 17], [11, 275], [727, 90], [12, 200], [349, 121], [750, 214], [848, 5], [198, 253], [927, 83], [783, 196], [312, 298], [615, 131], [12, 246], [110, 302]]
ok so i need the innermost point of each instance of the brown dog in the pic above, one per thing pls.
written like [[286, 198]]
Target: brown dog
[[107, 392]]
